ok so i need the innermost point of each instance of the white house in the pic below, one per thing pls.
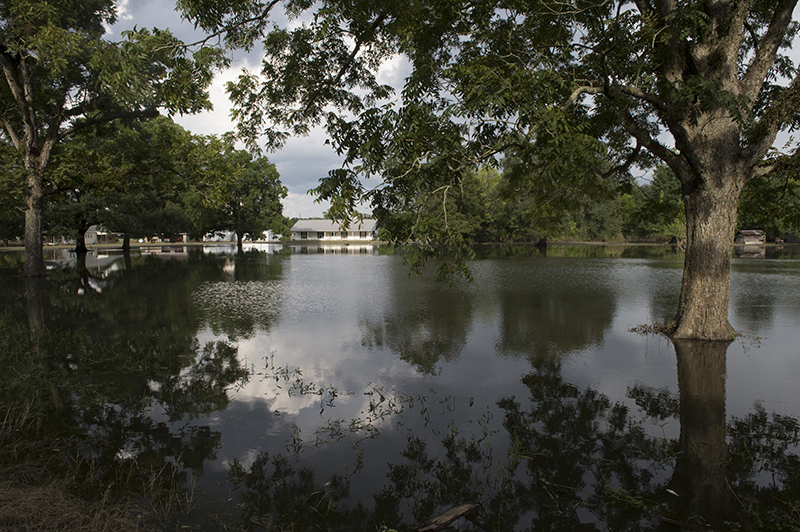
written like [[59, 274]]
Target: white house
[[366, 229], [96, 234]]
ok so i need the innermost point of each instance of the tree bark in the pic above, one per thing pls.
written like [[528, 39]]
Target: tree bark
[[80, 240], [711, 211], [32, 238]]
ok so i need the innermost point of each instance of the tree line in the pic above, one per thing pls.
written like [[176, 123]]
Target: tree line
[[487, 206], [151, 178]]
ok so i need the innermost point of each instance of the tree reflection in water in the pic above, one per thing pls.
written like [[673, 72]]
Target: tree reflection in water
[[101, 385], [109, 411], [575, 460]]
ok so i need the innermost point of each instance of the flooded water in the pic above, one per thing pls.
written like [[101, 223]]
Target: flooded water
[[324, 388]]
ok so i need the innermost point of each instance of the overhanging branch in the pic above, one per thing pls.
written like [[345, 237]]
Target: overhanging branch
[[764, 132], [768, 47], [126, 115]]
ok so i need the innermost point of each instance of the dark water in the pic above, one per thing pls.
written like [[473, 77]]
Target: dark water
[[322, 388]]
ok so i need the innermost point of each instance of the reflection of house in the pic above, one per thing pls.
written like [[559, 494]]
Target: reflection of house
[[750, 236], [335, 249], [328, 230]]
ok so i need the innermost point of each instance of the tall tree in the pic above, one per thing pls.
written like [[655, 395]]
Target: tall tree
[[579, 91], [238, 192], [61, 76]]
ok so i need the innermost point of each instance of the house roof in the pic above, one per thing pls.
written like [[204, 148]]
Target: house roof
[[367, 224]]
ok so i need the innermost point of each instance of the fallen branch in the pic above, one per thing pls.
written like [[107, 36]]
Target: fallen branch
[[690, 526], [441, 522]]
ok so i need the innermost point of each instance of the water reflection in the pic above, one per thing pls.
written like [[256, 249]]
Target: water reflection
[[699, 480], [107, 350], [333, 392], [554, 309], [424, 323], [572, 460]]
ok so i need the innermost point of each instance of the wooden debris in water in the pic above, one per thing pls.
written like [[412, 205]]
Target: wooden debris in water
[[441, 522], [689, 526]]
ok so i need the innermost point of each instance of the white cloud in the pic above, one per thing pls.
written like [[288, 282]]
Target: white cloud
[[123, 13], [218, 120], [301, 205]]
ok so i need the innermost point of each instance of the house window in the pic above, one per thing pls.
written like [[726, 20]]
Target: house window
[[303, 235], [363, 234], [344, 235], [320, 234]]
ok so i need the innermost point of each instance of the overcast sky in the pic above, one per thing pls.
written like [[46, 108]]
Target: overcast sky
[[301, 163]]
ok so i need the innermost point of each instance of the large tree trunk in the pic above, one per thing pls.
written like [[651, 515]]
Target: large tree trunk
[[711, 210], [32, 239]]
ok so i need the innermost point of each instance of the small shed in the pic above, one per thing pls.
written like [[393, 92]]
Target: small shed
[[750, 236]]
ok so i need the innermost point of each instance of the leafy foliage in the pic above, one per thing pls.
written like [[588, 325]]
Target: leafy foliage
[[61, 76]]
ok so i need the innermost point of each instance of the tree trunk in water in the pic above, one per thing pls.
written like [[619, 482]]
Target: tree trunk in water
[[35, 298], [32, 239], [126, 242], [705, 287], [239, 247], [700, 472]]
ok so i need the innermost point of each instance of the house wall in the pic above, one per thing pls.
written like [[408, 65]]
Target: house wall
[[333, 235]]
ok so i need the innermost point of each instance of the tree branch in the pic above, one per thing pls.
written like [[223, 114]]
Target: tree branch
[[643, 138], [345, 66], [10, 131], [626, 164], [121, 114], [751, 83], [781, 109], [219, 33], [18, 89]]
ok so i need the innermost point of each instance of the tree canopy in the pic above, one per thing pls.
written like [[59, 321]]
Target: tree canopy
[[577, 92], [60, 76], [153, 177]]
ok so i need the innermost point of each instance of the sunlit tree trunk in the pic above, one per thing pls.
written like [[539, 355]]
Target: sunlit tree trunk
[[705, 288], [712, 170]]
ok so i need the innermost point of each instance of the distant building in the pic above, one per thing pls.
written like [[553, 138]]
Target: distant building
[[750, 236], [96, 234], [328, 230]]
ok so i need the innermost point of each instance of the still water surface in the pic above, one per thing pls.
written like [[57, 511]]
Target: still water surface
[[324, 388]]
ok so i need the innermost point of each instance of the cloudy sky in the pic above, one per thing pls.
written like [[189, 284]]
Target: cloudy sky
[[301, 163]]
